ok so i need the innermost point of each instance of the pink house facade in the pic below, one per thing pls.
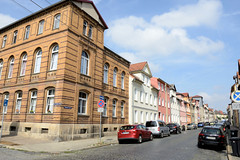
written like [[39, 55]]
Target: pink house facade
[[164, 110], [183, 110]]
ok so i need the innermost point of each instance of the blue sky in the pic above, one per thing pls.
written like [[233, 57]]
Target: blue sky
[[193, 44]]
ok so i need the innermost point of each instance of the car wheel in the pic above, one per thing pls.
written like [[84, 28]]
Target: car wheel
[[161, 134], [199, 145], [140, 139], [151, 137]]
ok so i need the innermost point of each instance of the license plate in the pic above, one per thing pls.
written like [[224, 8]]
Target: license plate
[[125, 132], [212, 138], [171, 130]]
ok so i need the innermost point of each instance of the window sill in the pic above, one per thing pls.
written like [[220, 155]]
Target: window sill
[[114, 117], [122, 117], [104, 116], [83, 115], [47, 113]]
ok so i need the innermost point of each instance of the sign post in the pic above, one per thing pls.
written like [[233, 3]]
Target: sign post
[[101, 104], [5, 103]]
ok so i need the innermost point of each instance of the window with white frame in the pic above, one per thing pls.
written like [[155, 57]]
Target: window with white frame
[[85, 28], [105, 73], [168, 104], [141, 96], [56, 22], [115, 77], [163, 118], [114, 108], [141, 116], [155, 116], [159, 85], [54, 58], [122, 109], [40, 27], [1, 67], [162, 87], [162, 102], [159, 101], [146, 116], [105, 107], [136, 116], [50, 100], [38, 61], [151, 116], [144, 79], [151, 99], [23, 65], [18, 102], [27, 31], [6, 97], [148, 81], [84, 63], [122, 80], [90, 31], [14, 40], [11, 64], [146, 98], [33, 101], [4, 41], [155, 101], [135, 94], [82, 104]]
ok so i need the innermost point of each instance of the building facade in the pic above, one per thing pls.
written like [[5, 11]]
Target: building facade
[[175, 105], [142, 95], [54, 67]]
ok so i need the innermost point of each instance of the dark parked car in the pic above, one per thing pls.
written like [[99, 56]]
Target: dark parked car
[[212, 135], [174, 128], [134, 132], [200, 124]]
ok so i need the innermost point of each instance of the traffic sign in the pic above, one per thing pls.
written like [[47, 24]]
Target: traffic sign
[[236, 96], [100, 109], [5, 103], [101, 103], [235, 106]]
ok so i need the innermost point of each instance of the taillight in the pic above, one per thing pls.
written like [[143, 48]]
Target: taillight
[[200, 134], [175, 127], [221, 136], [224, 129], [158, 128]]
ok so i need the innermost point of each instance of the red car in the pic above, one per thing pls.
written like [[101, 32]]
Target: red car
[[136, 132]]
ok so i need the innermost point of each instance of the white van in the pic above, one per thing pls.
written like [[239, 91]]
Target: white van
[[158, 128]]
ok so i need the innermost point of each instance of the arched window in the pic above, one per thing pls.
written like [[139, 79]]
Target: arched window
[[50, 100], [33, 101], [122, 109], [105, 106], [115, 77], [56, 21], [1, 67], [23, 65], [82, 105], [54, 58], [84, 63], [11, 64], [122, 80], [18, 102], [38, 61], [105, 73], [114, 108]]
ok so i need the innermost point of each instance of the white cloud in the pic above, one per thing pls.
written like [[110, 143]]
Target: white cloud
[[205, 12], [165, 34], [5, 20]]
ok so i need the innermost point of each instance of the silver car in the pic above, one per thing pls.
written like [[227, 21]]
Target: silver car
[[191, 126], [158, 128]]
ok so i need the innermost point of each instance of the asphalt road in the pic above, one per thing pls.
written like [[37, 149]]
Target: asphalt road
[[176, 147]]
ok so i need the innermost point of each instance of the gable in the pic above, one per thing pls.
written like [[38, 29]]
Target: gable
[[147, 70]]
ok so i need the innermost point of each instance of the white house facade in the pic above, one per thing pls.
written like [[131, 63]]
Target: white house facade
[[142, 95], [175, 105]]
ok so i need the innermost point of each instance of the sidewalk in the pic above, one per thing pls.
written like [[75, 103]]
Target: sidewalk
[[229, 147], [39, 145]]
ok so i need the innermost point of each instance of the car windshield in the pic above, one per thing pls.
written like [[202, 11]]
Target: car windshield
[[151, 124], [127, 127], [211, 131]]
